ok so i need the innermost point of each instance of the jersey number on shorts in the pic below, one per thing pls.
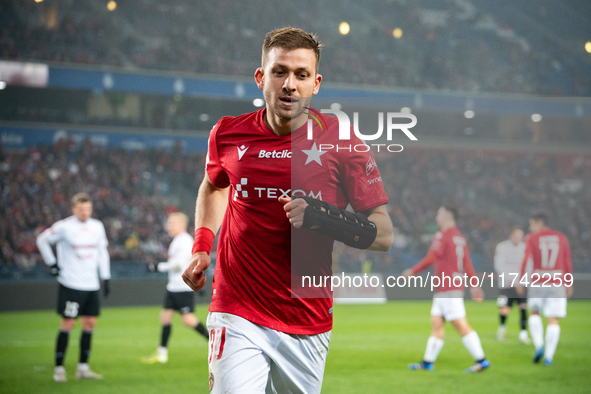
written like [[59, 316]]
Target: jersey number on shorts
[[71, 309], [549, 253], [217, 339]]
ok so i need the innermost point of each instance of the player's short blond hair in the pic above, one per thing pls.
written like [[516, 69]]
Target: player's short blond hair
[[81, 198], [179, 215], [291, 38]]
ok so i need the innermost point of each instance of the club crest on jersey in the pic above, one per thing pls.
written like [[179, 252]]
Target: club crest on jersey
[[241, 151], [211, 381], [370, 165]]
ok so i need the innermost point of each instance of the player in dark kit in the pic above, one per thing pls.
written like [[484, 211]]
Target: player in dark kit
[[261, 338]]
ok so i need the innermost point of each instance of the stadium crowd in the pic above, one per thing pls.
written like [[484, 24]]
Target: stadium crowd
[[464, 46], [494, 192], [134, 192], [132, 195]]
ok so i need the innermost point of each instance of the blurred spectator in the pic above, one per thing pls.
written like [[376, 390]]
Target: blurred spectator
[[494, 191], [469, 46], [35, 187]]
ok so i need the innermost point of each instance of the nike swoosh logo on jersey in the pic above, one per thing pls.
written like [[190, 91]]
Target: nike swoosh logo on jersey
[[241, 151]]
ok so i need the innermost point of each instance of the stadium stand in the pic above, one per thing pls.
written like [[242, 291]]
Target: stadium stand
[[494, 191], [460, 45], [134, 192], [457, 46], [132, 196]]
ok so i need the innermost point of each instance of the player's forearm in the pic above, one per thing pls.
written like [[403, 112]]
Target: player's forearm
[[385, 236], [210, 206], [468, 267], [171, 265], [428, 260], [45, 248], [568, 261], [498, 264], [104, 264], [524, 264]]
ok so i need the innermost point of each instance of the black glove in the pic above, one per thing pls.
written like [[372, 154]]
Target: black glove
[[106, 287], [54, 270]]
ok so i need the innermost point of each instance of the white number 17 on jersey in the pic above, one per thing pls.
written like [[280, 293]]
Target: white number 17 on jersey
[[549, 251]]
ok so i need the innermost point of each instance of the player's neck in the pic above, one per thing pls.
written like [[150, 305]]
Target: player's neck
[[447, 226], [282, 126]]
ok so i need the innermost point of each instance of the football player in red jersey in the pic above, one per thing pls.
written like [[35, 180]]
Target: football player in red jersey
[[263, 336], [449, 254], [549, 284]]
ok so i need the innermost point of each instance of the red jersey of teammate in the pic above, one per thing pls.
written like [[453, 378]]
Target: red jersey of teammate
[[254, 256], [449, 253], [550, 252]]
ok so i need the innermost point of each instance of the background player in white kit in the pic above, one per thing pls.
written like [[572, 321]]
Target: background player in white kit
[[508, 258], [82, 254], [179, 296]]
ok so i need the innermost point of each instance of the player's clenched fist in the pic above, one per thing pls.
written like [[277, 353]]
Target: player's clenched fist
[[477, 294], [294, 210], [193, 275]]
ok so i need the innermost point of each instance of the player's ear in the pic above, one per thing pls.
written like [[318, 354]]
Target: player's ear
[[317, 84], [258, 77]]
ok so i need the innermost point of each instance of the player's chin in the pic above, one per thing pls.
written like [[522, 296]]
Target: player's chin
[[283, 112], [288, 111]]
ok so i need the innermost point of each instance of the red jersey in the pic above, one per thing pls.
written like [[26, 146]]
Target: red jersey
[[255, 249], [449, 253], [550, 252]]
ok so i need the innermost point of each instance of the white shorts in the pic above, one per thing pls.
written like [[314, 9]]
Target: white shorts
[[449, 304], [551, 301], [246, 358]]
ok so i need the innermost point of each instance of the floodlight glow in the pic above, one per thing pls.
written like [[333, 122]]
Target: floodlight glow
[[469, 114], [344, 28]]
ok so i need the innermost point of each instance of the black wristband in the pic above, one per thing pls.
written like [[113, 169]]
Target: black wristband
[[54, 269], [106, 287], [352, 229]]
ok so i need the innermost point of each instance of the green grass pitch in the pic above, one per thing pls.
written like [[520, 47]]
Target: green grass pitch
[[370, 349]]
